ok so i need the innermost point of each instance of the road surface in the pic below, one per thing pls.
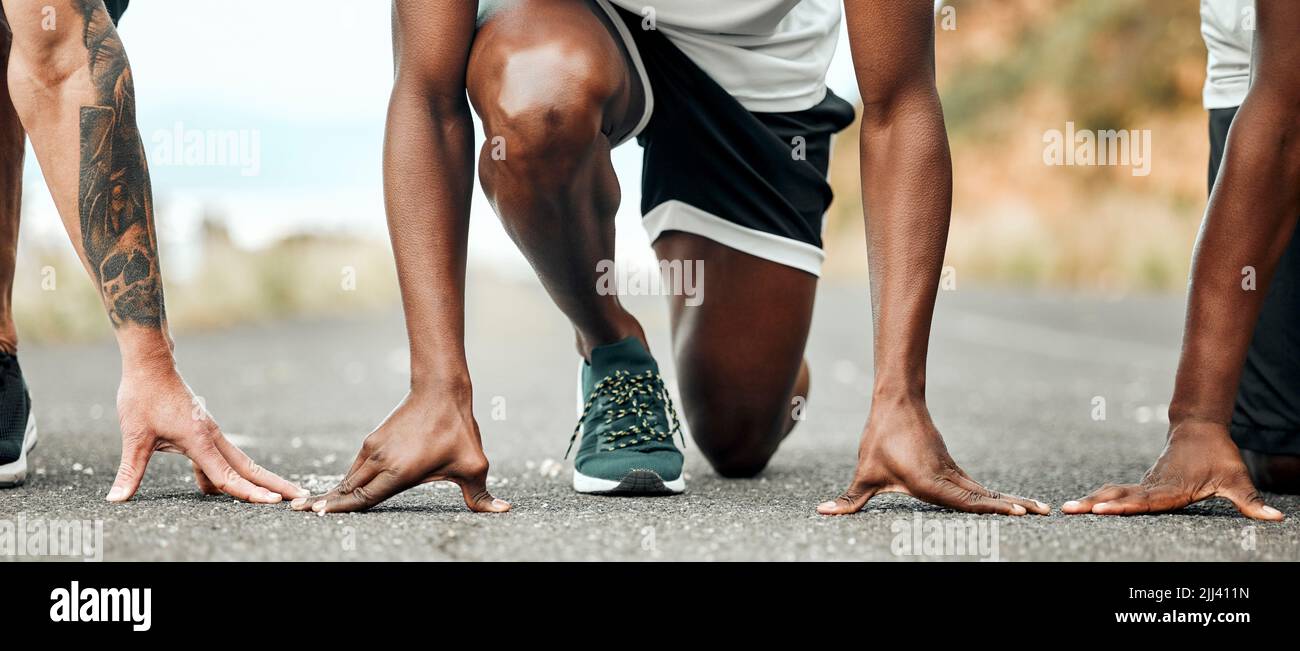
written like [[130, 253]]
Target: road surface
[[1015, 384]]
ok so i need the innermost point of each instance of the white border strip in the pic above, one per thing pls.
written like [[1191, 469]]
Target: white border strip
[[681, 216], [635, 53]]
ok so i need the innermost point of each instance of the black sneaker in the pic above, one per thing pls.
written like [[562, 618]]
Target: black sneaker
[[17, 426]]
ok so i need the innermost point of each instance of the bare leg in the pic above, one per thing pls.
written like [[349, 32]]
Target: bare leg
[[553, 88], [740, 363], [12, 146]]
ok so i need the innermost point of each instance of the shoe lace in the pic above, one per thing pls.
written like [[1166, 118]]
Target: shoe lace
[[631, 395]]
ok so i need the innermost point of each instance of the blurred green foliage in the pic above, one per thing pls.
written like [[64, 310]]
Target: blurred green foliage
[[1112, 61]]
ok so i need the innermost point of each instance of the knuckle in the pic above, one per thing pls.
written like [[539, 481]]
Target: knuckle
[[227, 478], [132, 437], [127, 469], [368, 446], [475, 468], [481, 495]]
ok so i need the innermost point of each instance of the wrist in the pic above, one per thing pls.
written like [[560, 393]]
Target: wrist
[[896, 389], [145, 352], [1191, 426], [1186, 413], [439, 371], [455, 387]]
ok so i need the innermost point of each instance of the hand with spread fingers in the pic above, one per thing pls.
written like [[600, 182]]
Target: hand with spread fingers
[[902, 452], [423, 440], [1199, 462], [159, 413]]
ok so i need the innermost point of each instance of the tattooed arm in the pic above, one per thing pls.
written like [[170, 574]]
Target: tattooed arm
[[70, 81], [115, 202], [428, 170]]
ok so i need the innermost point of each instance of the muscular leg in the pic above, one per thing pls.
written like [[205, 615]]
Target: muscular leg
[[740, 360], [12, 143], [554, 89]]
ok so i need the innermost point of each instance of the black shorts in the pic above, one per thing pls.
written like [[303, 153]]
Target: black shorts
[[754, 182], [116, 8], [1267, 414]]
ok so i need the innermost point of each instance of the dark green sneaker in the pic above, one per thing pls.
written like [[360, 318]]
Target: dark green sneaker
[[627, 426]]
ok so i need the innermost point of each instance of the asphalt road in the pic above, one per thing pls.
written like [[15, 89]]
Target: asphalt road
[[1013, 383]]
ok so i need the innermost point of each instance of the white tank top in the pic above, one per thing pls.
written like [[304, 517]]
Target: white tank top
[[1228, 29], [771, 55]]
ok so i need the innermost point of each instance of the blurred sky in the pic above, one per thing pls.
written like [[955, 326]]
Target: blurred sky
[[309, 81]]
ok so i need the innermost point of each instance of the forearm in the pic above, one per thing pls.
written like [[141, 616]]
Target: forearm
[[73, 92], [1250, 219], [906, 184], [428, 176], [907, 199]]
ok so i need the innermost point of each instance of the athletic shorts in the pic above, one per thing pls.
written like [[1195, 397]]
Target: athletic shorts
[[1266, 417], [116, 8], [754, 182]]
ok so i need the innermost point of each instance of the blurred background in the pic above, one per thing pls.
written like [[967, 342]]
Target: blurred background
[[264, 125], [1051, 365]]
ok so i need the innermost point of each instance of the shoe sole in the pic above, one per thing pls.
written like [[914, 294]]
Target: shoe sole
[[15, 473], [634, 483]]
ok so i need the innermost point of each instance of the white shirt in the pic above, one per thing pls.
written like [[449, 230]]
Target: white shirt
[[771, 55], [1228, 29]]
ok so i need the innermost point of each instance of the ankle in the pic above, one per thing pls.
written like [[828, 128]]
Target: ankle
[[623, 329]]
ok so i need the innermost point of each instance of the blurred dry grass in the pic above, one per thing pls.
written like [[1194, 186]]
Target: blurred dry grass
[[1014, 69], [299, 276]]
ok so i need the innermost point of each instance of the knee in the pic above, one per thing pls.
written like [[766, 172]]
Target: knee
[[737, 434], [543, 108], [746, 467]]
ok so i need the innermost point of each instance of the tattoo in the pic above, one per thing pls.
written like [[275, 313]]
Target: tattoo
[[115, 199]]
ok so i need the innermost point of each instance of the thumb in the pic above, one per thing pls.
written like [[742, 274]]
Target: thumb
[[851, 501], [135, 457], [1247, 499], [477, 497]]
